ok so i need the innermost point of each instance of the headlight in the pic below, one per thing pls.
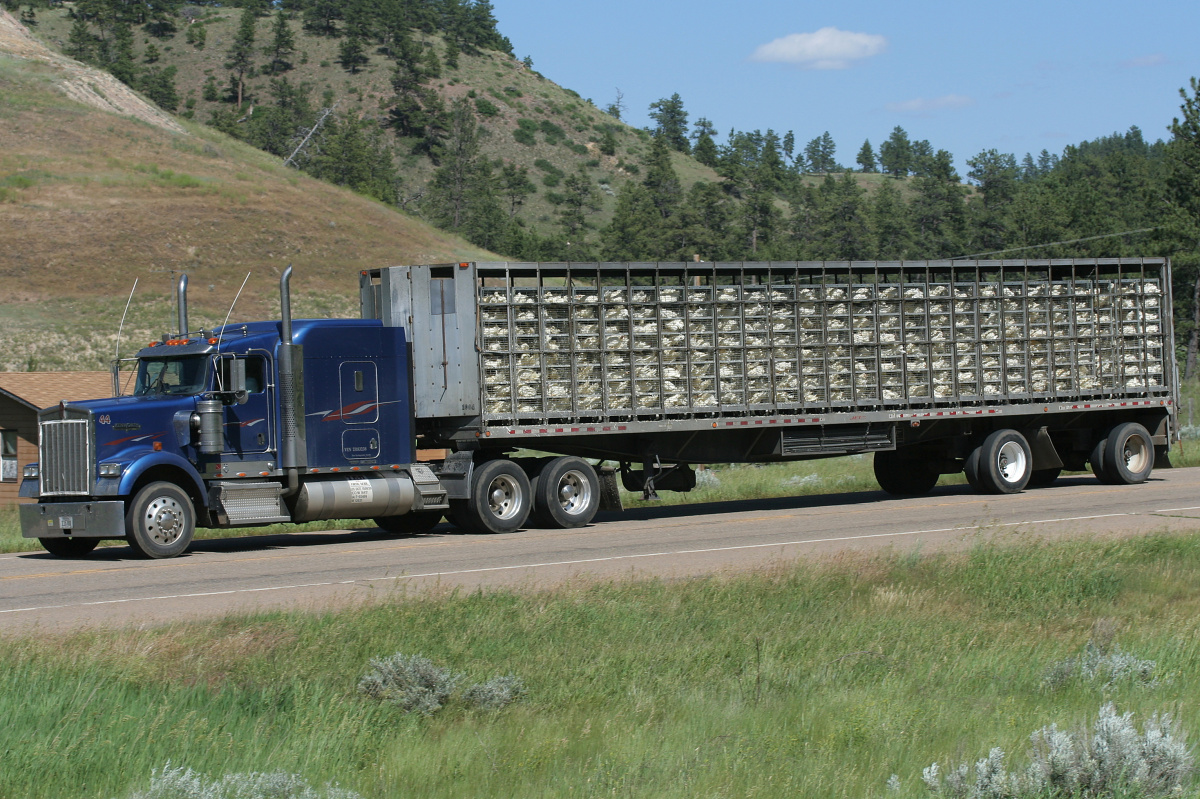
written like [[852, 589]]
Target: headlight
[[110, 470], [30, 472]]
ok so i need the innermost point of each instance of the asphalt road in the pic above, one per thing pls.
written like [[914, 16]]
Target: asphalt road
[[320, 570]]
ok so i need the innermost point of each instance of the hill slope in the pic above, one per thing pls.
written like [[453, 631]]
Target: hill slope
[[91, 199]]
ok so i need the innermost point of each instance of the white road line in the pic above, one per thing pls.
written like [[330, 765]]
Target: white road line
[[547, 564], [1170, 510]]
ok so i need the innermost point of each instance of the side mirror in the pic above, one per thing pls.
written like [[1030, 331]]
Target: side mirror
[[236, 393]]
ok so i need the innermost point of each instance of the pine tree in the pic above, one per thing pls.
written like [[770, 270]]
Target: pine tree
[[241, 52], [1183, 221], [891, 223], [866, 157], [671, 122], [515, 186], [119, 59], [939, 213], [705, 149], [159, 85], [283, 45], [581, 200], [895, 154], [351, 54], [81, 44]]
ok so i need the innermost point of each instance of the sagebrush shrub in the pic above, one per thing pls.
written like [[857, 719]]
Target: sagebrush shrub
[[183, 783], [1114, 760], [410, 681], [496, 693]]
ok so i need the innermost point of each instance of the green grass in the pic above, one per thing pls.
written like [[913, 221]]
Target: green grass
[[812, 680]]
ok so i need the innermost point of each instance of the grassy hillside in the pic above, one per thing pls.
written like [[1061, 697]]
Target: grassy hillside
[[91, 200], [506, 95]]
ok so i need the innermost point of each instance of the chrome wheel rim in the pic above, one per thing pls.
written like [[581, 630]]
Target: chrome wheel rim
[[574, 492], [1011, 462], [504, 497], [165, 520]]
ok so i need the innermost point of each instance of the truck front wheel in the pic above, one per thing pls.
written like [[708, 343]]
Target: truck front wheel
[[499, 502], [160, 521], [566, 493]]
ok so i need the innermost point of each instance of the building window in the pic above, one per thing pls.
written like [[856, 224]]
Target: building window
[[8, 456]]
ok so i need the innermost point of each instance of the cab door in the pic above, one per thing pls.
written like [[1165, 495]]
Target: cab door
[[248, 425]]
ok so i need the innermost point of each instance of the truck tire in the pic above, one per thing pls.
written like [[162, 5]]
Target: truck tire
[[903, 476], [500, 499], [1096, 462], [566, 493], [971, 471], [409, 523], [69, 547], [1128, 454], [160, 521], [1005, 463]]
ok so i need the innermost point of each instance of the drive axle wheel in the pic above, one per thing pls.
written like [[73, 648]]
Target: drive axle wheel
[[566, 493], [69, 547], [499, 502], [160, 521]]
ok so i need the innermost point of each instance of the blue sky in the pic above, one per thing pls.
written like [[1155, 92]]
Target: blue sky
[[1017, 77]]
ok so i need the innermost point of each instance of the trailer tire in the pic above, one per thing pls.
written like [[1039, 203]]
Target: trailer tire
[[500, 499], [69, 547], [1043, 478], [1128, 454], [1097, 462], [160, 521], [971, 471], [566, 493], [409, 523], [1005, 463], [903, 476]]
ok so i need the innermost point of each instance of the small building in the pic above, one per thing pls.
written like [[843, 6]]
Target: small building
[[22, 394]]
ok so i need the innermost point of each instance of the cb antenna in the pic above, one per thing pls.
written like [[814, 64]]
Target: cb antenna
[[117, 352], [221, 334]]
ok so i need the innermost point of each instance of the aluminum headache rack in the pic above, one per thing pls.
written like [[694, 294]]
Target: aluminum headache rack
[[625, 341]]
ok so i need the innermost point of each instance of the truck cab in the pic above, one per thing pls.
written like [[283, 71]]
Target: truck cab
[[249, 424]]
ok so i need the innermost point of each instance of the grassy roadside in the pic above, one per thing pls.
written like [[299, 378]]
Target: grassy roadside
[[810, 680]]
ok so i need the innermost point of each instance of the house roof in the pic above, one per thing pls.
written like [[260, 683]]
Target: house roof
[[43, 389]]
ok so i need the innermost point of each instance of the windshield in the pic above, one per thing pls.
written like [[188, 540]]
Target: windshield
[[188, 375]]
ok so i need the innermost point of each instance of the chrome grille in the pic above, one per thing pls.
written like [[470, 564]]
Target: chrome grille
[[66, 457]]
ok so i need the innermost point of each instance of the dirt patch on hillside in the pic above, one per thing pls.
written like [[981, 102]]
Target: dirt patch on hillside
[[80, 82]]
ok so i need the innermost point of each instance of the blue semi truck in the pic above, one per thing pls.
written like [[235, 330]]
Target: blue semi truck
[[1009, 371]]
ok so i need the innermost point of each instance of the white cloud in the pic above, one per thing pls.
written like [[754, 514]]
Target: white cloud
[[1152, 60], [828, 48], [922, 106]]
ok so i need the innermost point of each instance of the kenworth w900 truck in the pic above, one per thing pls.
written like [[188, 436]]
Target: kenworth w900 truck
[[1009, 371]]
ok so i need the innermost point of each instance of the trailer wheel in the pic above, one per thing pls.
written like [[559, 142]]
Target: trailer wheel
[[566, 493], [1097, 462], [1043, 478], [971, 471], [1129, 454], [160, 521], [69, 547], [1005, 463], [409, 523], [903, 476], [500, 499]]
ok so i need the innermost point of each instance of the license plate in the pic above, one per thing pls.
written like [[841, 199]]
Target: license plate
[[66, 522]]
